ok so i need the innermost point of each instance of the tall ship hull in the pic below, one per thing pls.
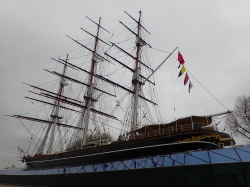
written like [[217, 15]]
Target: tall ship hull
[[126, 150]]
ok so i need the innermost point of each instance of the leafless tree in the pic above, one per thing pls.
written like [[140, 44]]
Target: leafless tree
[[239, 120]]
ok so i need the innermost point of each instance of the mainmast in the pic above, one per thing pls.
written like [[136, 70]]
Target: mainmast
[[137, 72], [89, 95], [54, 116]]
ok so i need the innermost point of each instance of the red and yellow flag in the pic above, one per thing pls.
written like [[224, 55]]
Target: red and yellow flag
[[183, 69]]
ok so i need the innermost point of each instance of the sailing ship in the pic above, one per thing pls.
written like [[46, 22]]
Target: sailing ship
[[94, 95]]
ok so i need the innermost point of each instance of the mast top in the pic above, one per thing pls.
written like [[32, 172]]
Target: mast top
[[97, 24], [138, 22]]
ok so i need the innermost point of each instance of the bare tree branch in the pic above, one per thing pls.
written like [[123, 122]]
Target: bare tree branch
[[239, 120]]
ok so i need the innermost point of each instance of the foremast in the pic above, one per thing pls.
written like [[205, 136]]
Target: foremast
[[137, 72], [133, 115], [88, 97]]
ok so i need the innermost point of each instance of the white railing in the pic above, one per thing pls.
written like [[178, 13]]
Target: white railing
[[171, 131]]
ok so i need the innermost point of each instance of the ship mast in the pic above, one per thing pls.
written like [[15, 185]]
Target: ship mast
[[137, 76], [137, 72], [55, 117], [89, 95]]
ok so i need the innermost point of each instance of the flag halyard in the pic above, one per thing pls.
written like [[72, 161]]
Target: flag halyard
[[183, 70]]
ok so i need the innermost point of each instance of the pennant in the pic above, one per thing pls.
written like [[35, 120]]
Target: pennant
[[180, 59], [190, 86], [183, 69], [186, 79]]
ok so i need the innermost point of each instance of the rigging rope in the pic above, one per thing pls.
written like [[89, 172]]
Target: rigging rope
[[174, 112], [208, 91], [160, 50]]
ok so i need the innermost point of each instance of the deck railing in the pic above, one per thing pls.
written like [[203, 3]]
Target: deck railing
[[170, 131]]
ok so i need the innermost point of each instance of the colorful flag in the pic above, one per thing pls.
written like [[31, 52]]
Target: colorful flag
[[180, 59], [190, 86], [186, 79], [183, 69]]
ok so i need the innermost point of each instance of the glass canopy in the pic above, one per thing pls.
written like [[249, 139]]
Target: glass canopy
[[226, 155]]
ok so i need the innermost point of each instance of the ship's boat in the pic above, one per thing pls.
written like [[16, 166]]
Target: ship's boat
[[103, 106]]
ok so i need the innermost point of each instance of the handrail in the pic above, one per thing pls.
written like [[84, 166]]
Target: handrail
[[169, 131]]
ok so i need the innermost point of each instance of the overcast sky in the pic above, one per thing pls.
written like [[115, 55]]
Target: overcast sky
[[213, 37]]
